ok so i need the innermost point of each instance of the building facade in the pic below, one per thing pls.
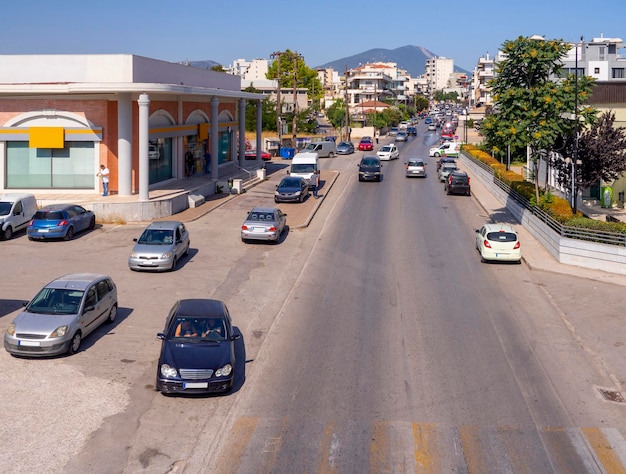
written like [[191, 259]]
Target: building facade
[[62, 116]]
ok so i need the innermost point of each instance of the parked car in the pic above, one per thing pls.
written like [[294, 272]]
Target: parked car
[[197, 348], [61, 315], [16, 211], [498, 242], [160, 246], [366, 144], [60, 221], [457, 182], [411, 130], [415, 167], [264, 223], [445, 170], [291, 188], [445, 159], [388, 152], [251, 155], [345, 148], [401, 137], [370, 169]]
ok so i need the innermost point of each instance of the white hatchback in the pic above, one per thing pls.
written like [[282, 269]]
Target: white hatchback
[[498, 242], [388, 152]]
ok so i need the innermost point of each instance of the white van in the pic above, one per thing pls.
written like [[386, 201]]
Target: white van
[[448, 148], [323, 149], [16, 211], [304, 165]]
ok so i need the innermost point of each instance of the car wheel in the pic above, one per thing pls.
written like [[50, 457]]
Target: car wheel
[[92, 223], [436, 155], [187, 250], [173, 267], [245, 241], [112, 314], [69, 234], [331, 155], [75, 343], [360, 179], [8, 233]]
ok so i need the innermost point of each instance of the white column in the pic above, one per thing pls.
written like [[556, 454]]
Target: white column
[[124, 144], [242, 133], [259, 127], [215, 103], [144, 135]]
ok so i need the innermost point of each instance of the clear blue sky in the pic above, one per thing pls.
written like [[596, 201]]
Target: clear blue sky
[[322, 30]]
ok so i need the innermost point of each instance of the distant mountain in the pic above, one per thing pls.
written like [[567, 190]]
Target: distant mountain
[[410, 58]]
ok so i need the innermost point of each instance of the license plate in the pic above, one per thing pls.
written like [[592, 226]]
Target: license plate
[[258, 229], [195, 384], [28, 343]]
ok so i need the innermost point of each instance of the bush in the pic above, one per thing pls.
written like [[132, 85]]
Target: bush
[[556, 207]]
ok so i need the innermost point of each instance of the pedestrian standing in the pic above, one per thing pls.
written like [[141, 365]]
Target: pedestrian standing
[[315, 181], [188, 164], [376, 135], [104, 174]]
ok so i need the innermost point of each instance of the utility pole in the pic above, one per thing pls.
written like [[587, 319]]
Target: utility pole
[[347, 107], [279, 111], [295, 96]]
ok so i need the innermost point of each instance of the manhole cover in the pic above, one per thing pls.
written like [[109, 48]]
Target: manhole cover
[[612, 395]]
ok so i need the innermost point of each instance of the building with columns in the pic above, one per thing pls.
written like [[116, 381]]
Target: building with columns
[[62, 116]]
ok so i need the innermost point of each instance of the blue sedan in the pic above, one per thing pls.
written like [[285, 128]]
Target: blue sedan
[[60, 221], [345, 148]]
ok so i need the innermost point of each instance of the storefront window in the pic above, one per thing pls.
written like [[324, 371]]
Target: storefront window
[[160, 159], [71, 167], [224, 147]]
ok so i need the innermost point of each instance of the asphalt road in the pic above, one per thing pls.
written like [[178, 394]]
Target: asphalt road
[[374, 340]]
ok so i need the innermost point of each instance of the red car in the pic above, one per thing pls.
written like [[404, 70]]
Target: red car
[[366, 144], [251, 155], [447, 134]]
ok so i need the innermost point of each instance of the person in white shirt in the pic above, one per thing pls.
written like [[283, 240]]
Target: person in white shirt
[[104, 174]]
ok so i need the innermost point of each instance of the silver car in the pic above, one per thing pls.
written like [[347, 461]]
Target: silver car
[[415, 167], [445, 170], [64, 312], [264, 223], [160, 246]]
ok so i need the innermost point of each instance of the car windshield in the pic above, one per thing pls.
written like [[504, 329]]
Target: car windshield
[[501, 236], [5, 208], [369, 162], [303, 167], [386, 148], [56, 301], [156, 237], [290, 183], [194, 329], [260, 216], [44, 215]]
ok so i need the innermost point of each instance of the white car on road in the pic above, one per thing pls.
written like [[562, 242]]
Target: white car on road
[[498, 242], [388, 152]]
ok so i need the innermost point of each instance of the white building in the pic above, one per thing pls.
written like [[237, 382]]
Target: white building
[[438, 72]]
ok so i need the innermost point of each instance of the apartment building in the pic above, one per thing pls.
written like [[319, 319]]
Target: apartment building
[[437, 72]]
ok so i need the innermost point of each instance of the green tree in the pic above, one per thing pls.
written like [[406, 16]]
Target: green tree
[[421, 103], [305, 76], [218, 68], [268, 113], [532, 109], [336, 114]]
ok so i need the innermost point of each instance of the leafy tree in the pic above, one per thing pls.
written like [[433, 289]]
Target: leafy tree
[[421, 103], [336, 114], [442, 96], [532, 109], [268, 113], [601, 150], [218, 68], [305, 76]]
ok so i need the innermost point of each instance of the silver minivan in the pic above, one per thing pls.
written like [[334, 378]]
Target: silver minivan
[[16, 211]]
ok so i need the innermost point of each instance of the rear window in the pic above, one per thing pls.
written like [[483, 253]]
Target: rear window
[[49, 215], [416, 163], [261, 216], [502, 236]]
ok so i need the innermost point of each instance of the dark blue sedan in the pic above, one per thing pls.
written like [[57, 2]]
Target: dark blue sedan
[[197, 348], [291, 189], [60, 221], [345, 148]]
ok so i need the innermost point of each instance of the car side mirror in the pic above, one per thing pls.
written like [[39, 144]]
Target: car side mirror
[[235, 337], [135, 240], [161, 336]]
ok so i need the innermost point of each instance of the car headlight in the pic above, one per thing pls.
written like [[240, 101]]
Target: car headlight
[[167, 371], [11, 329], [167, 255], [297, 193], [59, 332], [224, 371], [133, 255]]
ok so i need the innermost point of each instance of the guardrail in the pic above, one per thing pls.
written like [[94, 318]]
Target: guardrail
[[570, 232]]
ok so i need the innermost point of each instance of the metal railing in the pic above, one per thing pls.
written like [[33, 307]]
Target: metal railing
[[570, 232]]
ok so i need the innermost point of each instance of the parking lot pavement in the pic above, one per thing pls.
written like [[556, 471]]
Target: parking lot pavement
[[298, 214]]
